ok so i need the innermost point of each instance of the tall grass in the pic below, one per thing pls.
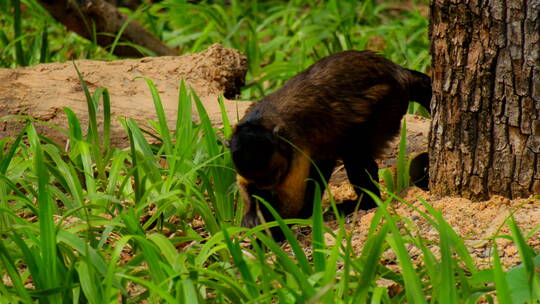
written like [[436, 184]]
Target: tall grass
[[127, 234], [96, 224]]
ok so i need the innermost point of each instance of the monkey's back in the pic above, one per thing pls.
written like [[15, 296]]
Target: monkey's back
[[338, 97]]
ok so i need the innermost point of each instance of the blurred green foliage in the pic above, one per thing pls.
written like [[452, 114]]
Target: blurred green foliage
[[280, 38]]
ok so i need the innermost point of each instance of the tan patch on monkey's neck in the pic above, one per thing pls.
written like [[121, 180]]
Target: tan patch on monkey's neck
[[292, 190], [242, 189]]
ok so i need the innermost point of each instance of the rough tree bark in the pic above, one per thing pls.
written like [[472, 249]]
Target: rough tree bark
[[80, 16], [485, 132]]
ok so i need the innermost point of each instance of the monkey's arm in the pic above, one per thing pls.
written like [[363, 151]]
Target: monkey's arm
[[252, 207], [250, 210], [292, 190]]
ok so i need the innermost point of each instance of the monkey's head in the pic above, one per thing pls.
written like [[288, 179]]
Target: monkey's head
[[259, 155]]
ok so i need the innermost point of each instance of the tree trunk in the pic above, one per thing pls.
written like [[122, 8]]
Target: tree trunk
[[485, 132]]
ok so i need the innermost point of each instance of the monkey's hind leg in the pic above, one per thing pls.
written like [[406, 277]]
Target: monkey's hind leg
[[361, 170]]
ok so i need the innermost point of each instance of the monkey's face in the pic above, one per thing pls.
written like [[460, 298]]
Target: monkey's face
[[258, 156]]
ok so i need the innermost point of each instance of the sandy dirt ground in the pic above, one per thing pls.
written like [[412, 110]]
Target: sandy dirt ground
[[475, 222]]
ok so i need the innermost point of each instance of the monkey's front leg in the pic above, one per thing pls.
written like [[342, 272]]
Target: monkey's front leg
[[252, 205], [254, 208]]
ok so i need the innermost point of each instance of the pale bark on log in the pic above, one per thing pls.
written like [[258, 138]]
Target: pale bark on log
[[485, 133], [80, 16]]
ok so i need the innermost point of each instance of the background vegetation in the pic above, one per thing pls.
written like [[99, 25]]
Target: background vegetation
[[159, 223]]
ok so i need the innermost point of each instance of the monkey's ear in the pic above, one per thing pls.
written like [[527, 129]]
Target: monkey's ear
[[227, 143], [277, 131]]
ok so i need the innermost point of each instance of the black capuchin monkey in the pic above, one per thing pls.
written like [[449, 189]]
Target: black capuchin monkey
[[346, 106]]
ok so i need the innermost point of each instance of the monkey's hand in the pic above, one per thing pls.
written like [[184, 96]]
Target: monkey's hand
[[251, 220]]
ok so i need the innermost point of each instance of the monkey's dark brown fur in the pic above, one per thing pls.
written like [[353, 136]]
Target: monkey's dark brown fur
[[346, 106]]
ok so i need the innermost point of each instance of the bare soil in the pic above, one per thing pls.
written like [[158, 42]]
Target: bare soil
[[475, 222]]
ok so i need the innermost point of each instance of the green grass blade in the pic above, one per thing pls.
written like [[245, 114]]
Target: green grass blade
[[236, 253], [371, 255], [401, 162], [165, 247], [22, 60], [32, 259], [227, 129], [148, 160], [115, 173], [106, 120], [154, 288], [317, 234], [88, 170], [44, 49], [457, 242], [164, 131], [220, 169], [11, 270], [137, 183], [230, 286], [527, 258], [22, 196], [448, 284], [74, 242], [124, 26], [153, 258], [190, 293], [501, 284], [208, 130], [89, 283], [74, 126], [46, 213], [111, 268], [293, 242], [6, 159], [297, 273], [413, 288], [67, 175], [518, 282], [93, 134], [388, 179]]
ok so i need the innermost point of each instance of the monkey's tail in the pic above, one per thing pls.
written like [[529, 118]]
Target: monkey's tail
[[420, 88]]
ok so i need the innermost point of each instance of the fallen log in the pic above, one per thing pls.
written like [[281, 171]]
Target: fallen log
[[40, 92]]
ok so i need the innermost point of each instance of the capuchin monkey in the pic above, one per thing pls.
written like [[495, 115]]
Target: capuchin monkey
[[346, 106]]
